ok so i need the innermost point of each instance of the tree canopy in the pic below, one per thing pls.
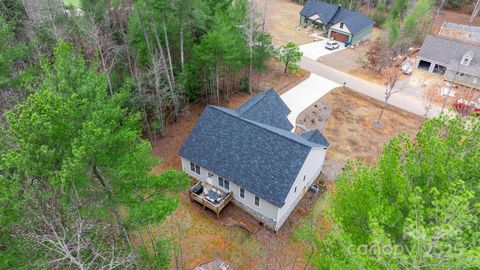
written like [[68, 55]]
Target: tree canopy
[[75, 144], [417, 207]]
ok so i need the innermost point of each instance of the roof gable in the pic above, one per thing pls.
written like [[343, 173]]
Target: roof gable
[[267, 108], [355, 21], [315, 136], [324, 10]]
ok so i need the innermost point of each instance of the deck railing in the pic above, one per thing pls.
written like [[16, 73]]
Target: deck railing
[[217, 208]]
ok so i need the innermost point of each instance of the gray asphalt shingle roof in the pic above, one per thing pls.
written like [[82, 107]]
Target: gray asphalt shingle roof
[[262, 159], [325, 10], [355, 21], [333, 13], [267, 108], [450, 53], [315, 136]]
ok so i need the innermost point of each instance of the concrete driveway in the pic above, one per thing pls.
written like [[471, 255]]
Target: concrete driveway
[[404, 99], [317, 49], [305, 94]]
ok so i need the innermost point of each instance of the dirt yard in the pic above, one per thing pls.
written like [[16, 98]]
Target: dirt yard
[[283, 17], [455, 16], [349, 129]]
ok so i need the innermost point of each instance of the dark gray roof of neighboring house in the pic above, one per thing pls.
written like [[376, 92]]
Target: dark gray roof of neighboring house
[[450, 53], [355, 21], [332, 13], [267, 108], [325, 10], [262, 159], [315, 136]]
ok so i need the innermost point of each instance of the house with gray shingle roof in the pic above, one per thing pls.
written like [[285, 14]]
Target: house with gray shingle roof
[[456, 60], [251, 153], [336, 22]]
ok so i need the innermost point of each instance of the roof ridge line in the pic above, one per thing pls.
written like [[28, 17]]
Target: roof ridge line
[[259, 125], [253, 104], [455, 41]]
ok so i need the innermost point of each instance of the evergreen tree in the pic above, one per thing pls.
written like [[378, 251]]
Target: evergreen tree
[[70, 137]]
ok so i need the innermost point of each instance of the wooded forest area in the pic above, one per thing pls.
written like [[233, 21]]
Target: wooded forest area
[[82, 89]]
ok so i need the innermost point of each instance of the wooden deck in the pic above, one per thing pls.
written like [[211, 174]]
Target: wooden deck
[[201, 198]]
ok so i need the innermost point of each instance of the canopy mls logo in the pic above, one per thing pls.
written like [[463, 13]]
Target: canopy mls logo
[[388, 249]]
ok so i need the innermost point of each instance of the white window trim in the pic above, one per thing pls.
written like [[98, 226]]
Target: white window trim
[[195, 168], [226, 181], [240, 194], [221, 180], [192, 166], [254, 201]]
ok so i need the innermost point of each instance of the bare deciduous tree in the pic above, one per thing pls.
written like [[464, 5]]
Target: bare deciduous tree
[[389, 66], [72, 239], [252, 33], [475, 12]]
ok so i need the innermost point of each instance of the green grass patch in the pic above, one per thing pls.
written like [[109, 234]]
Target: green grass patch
[[74, 3]]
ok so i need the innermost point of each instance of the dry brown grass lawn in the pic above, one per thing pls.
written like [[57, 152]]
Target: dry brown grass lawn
[[349, 129], [283, 17]]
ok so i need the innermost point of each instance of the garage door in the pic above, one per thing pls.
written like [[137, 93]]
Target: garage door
[[339, 37]]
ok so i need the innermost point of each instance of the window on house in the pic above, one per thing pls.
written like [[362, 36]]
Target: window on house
[[304, 177], [194, 168], [242, 193], [220, 181], [257, 201], [223, 183], [466, 61], [295, 191], [197, 169], [226, 184], [341, 25], [210, 175], [460, 74]]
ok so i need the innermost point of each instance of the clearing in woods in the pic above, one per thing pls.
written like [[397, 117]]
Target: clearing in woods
[[203, 237]]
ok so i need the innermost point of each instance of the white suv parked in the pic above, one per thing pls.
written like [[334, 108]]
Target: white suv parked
[[332, 45]]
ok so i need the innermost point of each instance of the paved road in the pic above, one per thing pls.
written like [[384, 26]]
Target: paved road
[[305, 94], [402, 100]]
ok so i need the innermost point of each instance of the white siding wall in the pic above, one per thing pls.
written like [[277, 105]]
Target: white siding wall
[[311, 169], [266, 209], [337, 27]]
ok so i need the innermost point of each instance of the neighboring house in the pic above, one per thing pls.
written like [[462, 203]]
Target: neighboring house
[[336, 22], [461, 32], [456, 60], [251, 152]]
